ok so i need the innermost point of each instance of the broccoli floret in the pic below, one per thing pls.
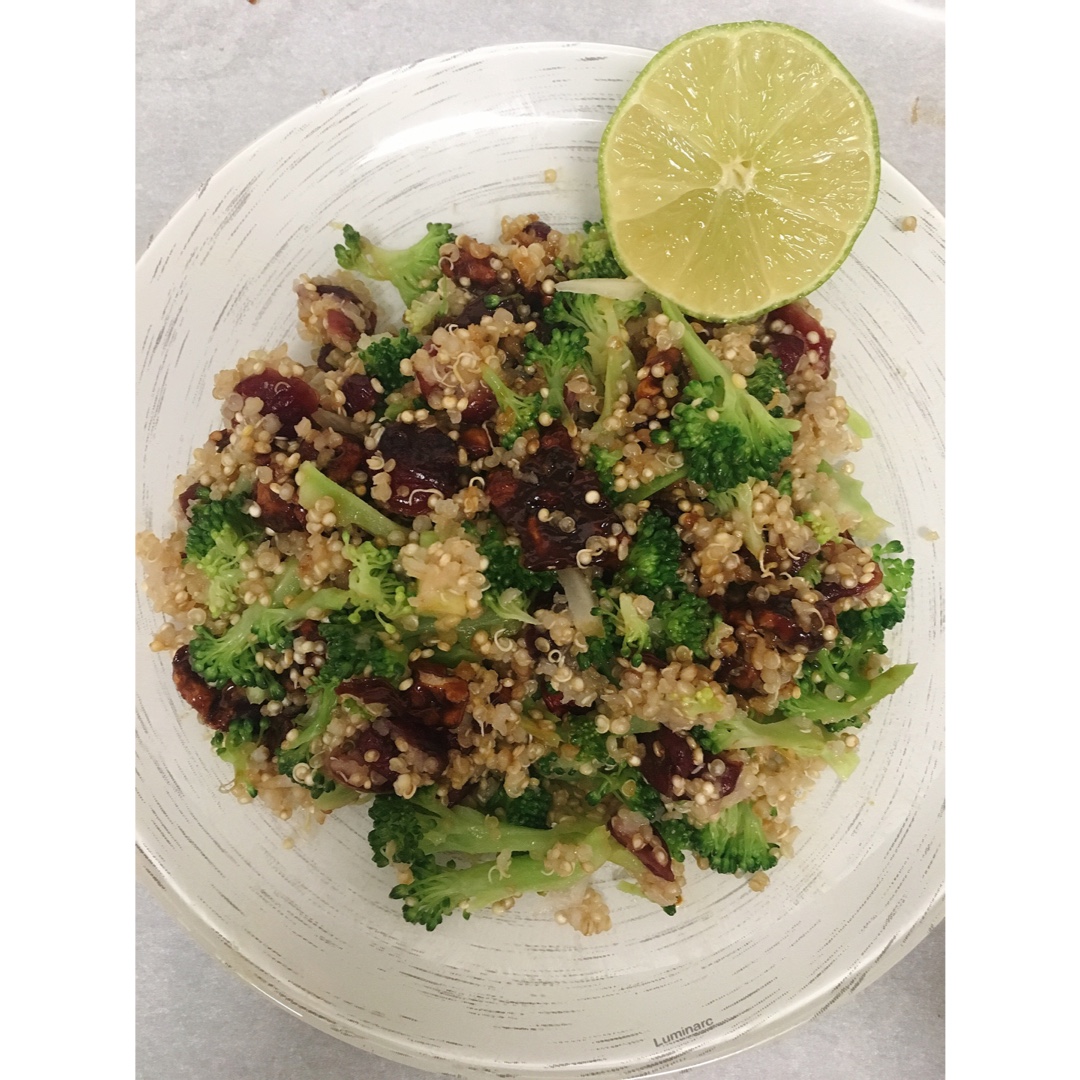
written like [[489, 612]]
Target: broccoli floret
[[860, 693], [610, 360], [232, 656], [595, 772], [653, 562], [217, 540], [582, 732], [412, 270], [630, 787], [504, 570], [735, 842], [236, 745], [510, 605], [743, 731], [372, 582], [725, 434], [414, 831], [784, 485], [684, 619], [766, 382], [354, 646], [349, 509], [834, 688], [597, 259], [738, 504], [557, 359], [530, 809], [427, 307], [517, 412], [870, 624], [602, 461], [382, 359], [312, 724], [633, 628]]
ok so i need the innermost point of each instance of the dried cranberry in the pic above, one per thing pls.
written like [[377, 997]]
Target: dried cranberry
[[360, 394], [289, 399], [833, 590], [804, 324], [187, 497], [481, 405], [667, 755], [653, 853]]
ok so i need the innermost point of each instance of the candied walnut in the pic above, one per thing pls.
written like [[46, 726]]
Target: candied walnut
[[552, 516], [345, 462], [276, 514], [425, 464]]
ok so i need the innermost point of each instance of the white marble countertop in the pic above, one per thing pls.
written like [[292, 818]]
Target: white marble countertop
[[213, 75]]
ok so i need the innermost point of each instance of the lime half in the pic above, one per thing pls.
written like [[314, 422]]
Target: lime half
[[739, 169]]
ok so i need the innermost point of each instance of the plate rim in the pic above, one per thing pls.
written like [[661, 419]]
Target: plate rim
[[153, 876]]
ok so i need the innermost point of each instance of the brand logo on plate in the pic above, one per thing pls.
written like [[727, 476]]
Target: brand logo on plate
[[686, 1032]]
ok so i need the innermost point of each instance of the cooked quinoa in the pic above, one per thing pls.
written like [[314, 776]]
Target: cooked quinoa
[[550, 572]]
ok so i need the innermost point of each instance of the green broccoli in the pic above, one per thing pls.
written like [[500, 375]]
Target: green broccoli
[[504, 570], [633, 628], [652, 564], [529, 809], [604, 322], [217, 540], [314, 722], [766, 382], [427, 307], [510, 605], [597, 259], [557, 359], [382, 359], [856, 694], [725, 434], [596, 773], [236, 745], [414, 831], [355, 646], [602, 461], [870, 624], [684, 618], [517, 412], [834, 688], [349, 509], [412, 270], [372, 582], [735, 842], [232, 657]]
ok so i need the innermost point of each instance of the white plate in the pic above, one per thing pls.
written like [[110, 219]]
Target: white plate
[[467, 138]]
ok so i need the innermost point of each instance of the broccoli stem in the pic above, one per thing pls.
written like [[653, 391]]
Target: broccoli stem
[[706, 365], [349, 509]]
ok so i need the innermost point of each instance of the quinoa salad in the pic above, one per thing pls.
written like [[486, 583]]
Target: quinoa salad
[[570, 591]]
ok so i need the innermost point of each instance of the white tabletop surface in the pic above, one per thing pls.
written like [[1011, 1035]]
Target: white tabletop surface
[[213, 75]]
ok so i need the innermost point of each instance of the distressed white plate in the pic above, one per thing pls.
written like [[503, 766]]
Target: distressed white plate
[[466, 139]]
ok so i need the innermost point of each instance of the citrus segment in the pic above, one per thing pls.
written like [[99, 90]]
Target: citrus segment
[[738, 170]]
